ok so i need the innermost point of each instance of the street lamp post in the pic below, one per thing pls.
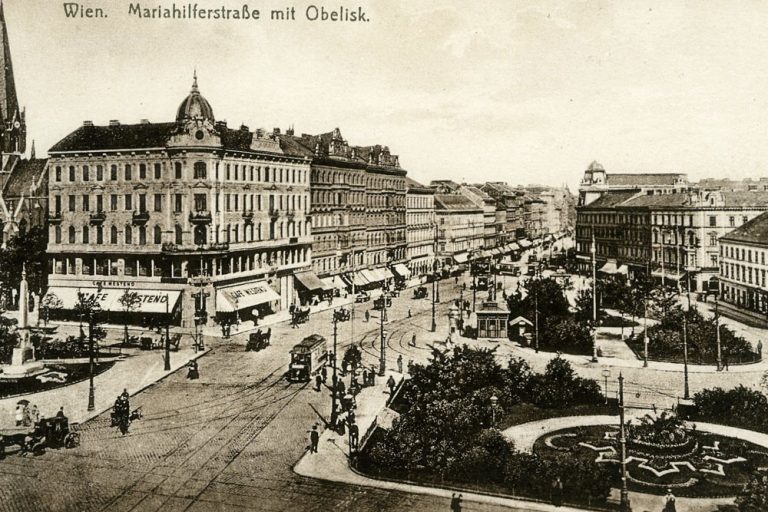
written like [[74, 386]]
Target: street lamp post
[[645, 332], [536, 315], [434, 282], [382, 335], [624, 505], [686, 390], [594, 302], [717, 328], [91, 391], [606, 374], [334, 378], [167, 366]]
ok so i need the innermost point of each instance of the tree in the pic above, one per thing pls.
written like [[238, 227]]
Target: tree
[[27, 249], [664, 300], [754, 496], [9, 338], [584, 305], [87, 306], [130, 301], [50, 302], [353, 358]]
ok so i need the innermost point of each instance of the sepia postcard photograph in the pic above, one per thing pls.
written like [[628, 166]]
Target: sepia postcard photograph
[[383, 256]]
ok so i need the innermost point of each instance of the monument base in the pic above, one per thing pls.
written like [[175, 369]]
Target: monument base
[[23, 364]]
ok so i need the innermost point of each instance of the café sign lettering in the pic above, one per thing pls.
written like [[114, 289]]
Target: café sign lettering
[[258, 289], [115, 284]]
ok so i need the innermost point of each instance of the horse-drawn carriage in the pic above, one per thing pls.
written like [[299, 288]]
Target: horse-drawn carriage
[[258, 340], [420, 292], [301, 315], [341, 315], [54, 432]]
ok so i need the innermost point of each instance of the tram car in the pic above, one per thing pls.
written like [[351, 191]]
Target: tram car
[[307, 357]]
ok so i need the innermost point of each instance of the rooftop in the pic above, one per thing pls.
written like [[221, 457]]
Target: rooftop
[[755, 231]]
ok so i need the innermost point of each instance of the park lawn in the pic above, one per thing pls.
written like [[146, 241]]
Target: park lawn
[[77, 372]]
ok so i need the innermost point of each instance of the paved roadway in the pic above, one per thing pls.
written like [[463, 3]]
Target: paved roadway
[[225, 442]]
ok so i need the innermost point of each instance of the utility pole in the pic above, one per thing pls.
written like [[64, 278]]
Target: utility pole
[[717, 327], [645, 332], [686, 391], [624, 505], [594, 302], [383, 354], [334, 378], [167, 366], [536, 316]]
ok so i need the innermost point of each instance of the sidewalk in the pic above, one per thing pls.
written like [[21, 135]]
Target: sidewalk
[[137, 370]]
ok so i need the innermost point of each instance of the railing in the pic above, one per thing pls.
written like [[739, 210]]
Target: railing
[[248, 217], [98, 217], [140, 217], [200, 216], [54, 217], [169, 247], [274, 213]]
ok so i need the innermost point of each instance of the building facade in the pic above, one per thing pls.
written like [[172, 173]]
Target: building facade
[[421, 227], [743, 269], [460, 227], [190, 214]]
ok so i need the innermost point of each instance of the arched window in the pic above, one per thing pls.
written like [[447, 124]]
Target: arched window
[[177, 170], [142, 235], [86, 234], [158, 235], [99, 235], [71, 234], [179, 240], [200, 235], [113, 235], [200, 170], [128, 235]]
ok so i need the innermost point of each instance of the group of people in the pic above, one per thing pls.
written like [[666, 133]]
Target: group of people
[[26, 415]]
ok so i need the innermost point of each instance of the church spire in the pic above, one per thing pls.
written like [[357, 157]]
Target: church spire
[[194, 81], [13, 122]]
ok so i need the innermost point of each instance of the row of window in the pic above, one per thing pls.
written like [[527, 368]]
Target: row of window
[[143, 171], [229, 233], [742, 254], [743, 273]]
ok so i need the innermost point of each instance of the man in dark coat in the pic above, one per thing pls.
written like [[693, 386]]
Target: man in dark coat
[[314, 438]]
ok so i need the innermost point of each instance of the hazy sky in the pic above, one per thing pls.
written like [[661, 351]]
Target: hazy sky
[[487, 90]]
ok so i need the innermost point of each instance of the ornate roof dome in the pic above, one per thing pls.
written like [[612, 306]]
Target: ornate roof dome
[[595, 166], [195, 106]]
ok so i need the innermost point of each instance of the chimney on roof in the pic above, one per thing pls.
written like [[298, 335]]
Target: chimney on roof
[[289, 131], [114, 122], [276, 131], [87, 123], [244, 128], [259, 132], [145, 121], [221, 124]]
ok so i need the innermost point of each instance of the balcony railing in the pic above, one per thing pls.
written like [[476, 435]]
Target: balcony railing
[[98, 217], [274, 213], [248, 217], [171, 248], [200, 217], [140, 217], [291, 214], [54, 217]]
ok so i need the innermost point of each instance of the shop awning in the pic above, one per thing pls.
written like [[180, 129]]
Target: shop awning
[[334, 282], [371, 276], [360, 279], [609, 268], [150, 301], [498, 251], [668, 275], [402, 271], [243, 296], [513, 246], [386, 273], [310, 281], [623, 269], [460, 257], [524, 243]]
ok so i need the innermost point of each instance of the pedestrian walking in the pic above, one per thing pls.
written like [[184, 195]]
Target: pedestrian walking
[[391, 384], [409, 312], [367, 315], [725, 360], [669, 502], [400, 363], [557, 492], [318, 382], [413, 340], [35, 414], [193, 371], [314, 438], [19, 416], [27, 418], [324, 374], [354, 436], [372, 373], [760, 349]]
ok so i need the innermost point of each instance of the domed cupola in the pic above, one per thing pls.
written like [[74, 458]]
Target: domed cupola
[[195, 106]]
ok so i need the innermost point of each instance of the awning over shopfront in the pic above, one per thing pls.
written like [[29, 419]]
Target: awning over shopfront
[[402, 271], [360, 279], [334, 282], [243, 296], [386, 273], [668, 275], [524, 243], [513, 246], [609, 268], [623, 269], [150, 301], [372, 276], [460, 257], [310, 281]]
